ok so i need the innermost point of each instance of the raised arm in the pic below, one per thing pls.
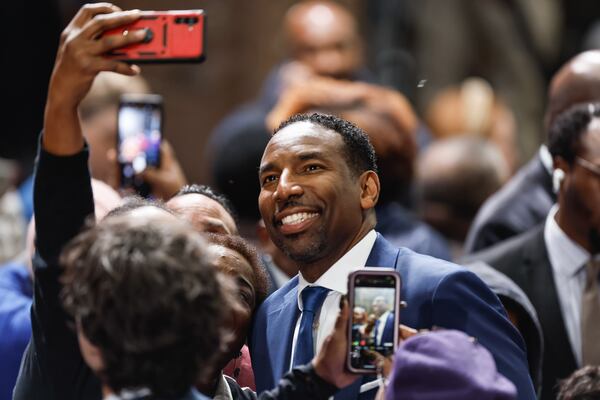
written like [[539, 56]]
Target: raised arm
[[52, 365]]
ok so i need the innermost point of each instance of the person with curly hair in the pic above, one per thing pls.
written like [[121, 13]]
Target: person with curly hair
[[132, 338]]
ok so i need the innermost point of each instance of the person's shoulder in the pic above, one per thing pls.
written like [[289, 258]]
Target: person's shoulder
[[521, 201], [425, 264], [502, 255], [276, 299]]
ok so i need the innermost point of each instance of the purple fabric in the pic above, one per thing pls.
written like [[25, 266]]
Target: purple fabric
[[448, 365]]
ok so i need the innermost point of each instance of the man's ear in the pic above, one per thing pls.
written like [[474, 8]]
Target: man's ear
[[369, 189]]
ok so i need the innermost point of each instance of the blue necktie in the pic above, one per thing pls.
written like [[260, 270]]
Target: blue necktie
[[312, 300]]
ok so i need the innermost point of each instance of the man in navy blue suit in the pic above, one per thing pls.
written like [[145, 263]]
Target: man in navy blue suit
[[319, 187], [383, 332]]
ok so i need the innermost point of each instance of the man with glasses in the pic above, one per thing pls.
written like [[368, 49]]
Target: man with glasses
[[557, 264]]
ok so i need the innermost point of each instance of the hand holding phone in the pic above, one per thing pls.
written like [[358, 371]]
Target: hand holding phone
[[374, 296]]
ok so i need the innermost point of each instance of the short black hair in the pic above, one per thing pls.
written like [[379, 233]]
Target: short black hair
[[133, 202], [359, 151], [567, 129], [148, 297], [583, 384], [209, 192], [246, 250]]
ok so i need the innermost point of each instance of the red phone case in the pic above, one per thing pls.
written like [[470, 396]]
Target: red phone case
[[172, 36]]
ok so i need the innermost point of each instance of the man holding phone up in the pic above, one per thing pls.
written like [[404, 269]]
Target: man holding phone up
[[319, 187]]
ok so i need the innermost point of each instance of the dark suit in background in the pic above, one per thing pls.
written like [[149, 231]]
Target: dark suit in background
[[524, 259], [520, 205]]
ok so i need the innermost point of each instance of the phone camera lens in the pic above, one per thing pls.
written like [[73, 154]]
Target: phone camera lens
[[149, 35], [179, 20]]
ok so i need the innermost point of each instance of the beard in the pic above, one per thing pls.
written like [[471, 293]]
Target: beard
[[305, 247]]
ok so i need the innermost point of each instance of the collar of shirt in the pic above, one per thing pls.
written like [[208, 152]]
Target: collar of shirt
[[223, 391], [336, 277], [566, 257]]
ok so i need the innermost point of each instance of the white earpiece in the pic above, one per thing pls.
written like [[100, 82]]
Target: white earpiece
[[557, 177]]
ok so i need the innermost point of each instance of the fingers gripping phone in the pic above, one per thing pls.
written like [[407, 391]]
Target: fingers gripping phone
[[374, 298], [139, 134], [171, 36]]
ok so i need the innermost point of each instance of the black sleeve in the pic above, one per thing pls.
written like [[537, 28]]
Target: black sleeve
[[52, 367], [300, 383]]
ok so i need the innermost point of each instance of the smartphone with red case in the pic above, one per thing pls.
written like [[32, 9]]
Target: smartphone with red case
[[374, 299], [171, 36]]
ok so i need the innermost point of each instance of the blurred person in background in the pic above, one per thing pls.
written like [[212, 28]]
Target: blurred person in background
[[473, 108], [98, 113], [503, 42], [525, 200], [557, 262], [454, 177]]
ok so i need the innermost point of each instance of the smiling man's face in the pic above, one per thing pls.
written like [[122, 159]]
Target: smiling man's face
[[310, 199]]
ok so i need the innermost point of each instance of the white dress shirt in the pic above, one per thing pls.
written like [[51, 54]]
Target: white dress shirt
[[335, 279], [568, 260], [381, 327]]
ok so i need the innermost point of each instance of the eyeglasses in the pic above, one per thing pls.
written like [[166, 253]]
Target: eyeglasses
[[593, 168]]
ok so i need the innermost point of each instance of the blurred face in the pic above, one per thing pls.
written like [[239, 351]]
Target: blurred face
[[580, 191], [359, 315], [234, 265], [324, 38], [204, 213], [379, 306], [309, 200]]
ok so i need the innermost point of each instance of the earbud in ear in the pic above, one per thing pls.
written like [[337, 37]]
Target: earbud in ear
[[557, 177]]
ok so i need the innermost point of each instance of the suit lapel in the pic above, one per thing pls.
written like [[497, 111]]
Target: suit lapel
[[280, 333], [383, 254], [559, 360], [543, 290]]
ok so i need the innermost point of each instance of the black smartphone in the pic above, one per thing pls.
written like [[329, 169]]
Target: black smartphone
[[139, 134], [374, 298]]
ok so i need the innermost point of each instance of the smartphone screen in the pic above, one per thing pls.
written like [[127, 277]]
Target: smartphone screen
[[139, 136], [374, 327]]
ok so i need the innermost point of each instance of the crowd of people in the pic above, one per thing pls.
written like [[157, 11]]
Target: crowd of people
[[239, 290]]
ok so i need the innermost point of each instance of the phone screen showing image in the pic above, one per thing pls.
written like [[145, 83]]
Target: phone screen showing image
[[140, 134], [374, 322]]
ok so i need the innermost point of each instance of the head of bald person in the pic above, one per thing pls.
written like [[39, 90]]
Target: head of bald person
[[578, 81], [323, 35]]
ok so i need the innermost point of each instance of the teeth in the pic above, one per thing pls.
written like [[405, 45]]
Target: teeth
[[297, 218]]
